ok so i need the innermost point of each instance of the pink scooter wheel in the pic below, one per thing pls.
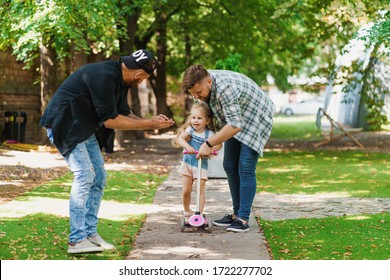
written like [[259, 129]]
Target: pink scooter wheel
[[196, 220]]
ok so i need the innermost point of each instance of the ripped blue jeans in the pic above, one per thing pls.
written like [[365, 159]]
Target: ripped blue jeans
[[89, 178]]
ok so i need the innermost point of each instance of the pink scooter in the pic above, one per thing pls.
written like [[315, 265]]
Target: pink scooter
[[197, 221]]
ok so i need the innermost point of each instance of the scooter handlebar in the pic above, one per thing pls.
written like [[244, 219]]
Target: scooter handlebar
[[196, 152]]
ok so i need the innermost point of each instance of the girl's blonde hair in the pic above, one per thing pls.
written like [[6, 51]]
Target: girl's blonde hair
[[198, 104]]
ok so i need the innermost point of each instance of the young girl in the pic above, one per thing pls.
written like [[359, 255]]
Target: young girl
[[191, 135]]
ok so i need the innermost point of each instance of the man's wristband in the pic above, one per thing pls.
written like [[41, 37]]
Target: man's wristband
[[208, 144]]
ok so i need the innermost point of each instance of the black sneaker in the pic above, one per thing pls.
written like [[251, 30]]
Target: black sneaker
[[238, 226], [225, 221]]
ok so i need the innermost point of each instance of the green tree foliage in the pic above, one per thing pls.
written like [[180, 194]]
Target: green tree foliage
[[281, 38], [370, 79], [84, 26], [379, 32], [232, 63]]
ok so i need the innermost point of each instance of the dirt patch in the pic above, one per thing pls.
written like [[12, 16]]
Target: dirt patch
[[16, 180], [154, 154]]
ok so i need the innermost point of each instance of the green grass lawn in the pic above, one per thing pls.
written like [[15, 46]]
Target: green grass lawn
[[347, 173], [295, 128], [42, 236], [363, 237], [121, 187], [351, 173], [45, 237], [300, 127]]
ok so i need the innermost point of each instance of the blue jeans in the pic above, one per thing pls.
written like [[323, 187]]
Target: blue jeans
[[89, 178], [240, 166]]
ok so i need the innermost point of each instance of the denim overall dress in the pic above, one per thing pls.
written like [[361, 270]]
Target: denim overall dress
[[196, 142]]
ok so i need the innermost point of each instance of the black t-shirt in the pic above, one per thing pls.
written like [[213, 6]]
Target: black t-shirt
[[91, 95]]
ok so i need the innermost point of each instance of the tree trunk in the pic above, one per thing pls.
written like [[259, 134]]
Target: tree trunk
[[48, 66], [188, 100], [126, 48], [187, 39], [161, 92], [136, 107], [78, 60]]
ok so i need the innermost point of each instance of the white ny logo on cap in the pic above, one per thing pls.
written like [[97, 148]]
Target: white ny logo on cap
[[139, 55]]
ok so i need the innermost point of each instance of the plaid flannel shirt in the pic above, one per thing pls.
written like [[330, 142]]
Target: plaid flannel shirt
[[238, 101]]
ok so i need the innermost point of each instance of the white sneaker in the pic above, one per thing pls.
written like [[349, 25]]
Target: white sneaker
[[84, 246], [98, 241]]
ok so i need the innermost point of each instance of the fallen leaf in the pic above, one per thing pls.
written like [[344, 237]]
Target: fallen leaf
[[286, 251]]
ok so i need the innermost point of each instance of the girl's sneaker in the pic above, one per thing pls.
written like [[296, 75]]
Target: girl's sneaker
[[206, 221], [187, 216]]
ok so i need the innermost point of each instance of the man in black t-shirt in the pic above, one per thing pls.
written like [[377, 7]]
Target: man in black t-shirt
[[93, 97]]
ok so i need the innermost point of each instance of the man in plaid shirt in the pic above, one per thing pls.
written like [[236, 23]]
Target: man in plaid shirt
[[244, 115]]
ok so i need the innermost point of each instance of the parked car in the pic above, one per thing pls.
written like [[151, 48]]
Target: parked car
[[305, 107]]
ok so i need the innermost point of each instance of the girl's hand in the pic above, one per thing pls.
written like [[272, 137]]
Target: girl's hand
[[190, 150]]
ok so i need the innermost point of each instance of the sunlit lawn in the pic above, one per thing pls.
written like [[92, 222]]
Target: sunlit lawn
[[347, 173], [121, 187], [363, 237], [42, 236], [295, 128], [45, 237], [351, 173]]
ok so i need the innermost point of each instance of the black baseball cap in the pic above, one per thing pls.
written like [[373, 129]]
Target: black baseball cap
[[140, 59]]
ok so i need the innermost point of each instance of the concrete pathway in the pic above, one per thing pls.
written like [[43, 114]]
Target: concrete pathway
[[161, 237], [275, 207]]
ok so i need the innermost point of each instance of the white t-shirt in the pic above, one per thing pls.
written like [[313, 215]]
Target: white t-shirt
[[201, 135]]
